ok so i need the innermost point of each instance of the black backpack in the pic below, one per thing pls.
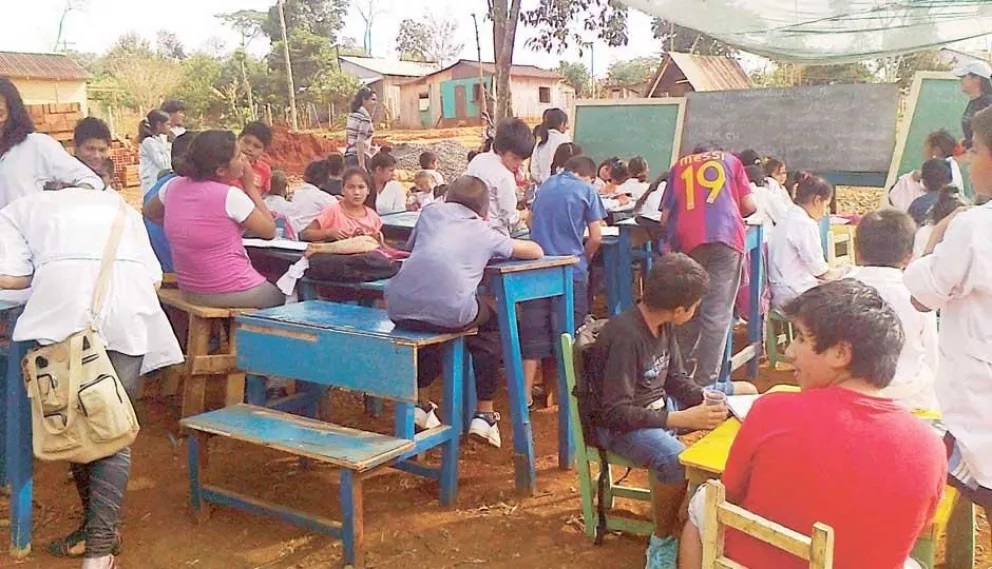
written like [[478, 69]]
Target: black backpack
[[357, 268]]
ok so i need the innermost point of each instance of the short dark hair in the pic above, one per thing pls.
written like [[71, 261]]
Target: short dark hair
[[335, 163], [316, 173], [470, 192], [180, 146], [981, 126], [90, 128], [279, 183], [750, 157], [19, 124], [259, 130], [935, 174], [755, 175], [173, 106], [675, 281], [884, 238], [810, 187], [638, 168], [771, 166], [209, 151], [471, 154], [619, 173], [582, 166], [426, 159], [943, 141], [851, 312], [514, 136], [382, 159]]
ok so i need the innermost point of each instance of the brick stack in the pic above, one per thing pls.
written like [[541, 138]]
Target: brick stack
[[56, 120], [126, 174]]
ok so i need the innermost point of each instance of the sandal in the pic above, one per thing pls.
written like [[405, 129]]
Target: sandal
[[73, 545]]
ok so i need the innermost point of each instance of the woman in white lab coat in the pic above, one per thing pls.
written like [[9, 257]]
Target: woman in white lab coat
[[955, 277], [155, 152], [54, 242]]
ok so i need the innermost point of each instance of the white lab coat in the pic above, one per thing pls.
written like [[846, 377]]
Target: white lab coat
[[957, 280]]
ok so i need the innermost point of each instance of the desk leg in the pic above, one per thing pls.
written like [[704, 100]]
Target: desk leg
[[19, 453], [523, 438], [611, 264], [625, 272], [755, 323], [566, 325], [452, 410]]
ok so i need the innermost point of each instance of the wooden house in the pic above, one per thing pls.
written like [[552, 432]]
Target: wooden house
[[384, 76], [681, 73]]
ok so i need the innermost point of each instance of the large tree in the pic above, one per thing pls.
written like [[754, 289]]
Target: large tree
[[577, 75], [248, 24], [632, 73], [324, 18], [431, 38], [504, 14], [561, 24], [686, 40]]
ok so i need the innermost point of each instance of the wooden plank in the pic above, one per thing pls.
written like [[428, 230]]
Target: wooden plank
[[325, 442], [765, 530], [547, 262], [305, 520], [174, 297], [213, 365], [195, 386]]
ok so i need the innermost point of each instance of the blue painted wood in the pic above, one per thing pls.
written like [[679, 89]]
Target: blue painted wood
[[537, 283], [566, 325], [515, 265], [19, 457], [348, 448], [295, 517], [372, 364], [351, 516], [612, 269], [193, 465], [755, 328], [419, 469], [454, 380], [254, 389], [470, 397], [403, 420]]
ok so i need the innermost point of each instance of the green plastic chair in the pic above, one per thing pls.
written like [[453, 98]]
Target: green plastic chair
[[773, 322], [586, 455]]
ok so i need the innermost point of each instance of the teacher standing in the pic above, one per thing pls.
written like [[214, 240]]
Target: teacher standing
[[359, 129], [976, 82]]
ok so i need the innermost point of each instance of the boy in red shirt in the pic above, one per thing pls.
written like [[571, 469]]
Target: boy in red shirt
[[838, 452], [704, 207], [254, 140]]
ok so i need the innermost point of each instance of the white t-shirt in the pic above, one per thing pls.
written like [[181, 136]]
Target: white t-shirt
[[237, 205], [154, 157], [653, 202], [544, 155], [795, 256], [25, 168], [59, 237], [308, 202], [278, 204], [438, 179], [913, 385], [920, 241], [633, 188], [392, 199], [489, 168], [778, 201], [957, 280]]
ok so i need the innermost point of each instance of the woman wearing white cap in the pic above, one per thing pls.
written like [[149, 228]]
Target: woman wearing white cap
[[976, 82]]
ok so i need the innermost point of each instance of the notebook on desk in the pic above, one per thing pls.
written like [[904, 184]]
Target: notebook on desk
[[740, 405]]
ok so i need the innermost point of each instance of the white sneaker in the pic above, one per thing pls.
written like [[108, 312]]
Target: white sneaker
[[485, 426], [425, 416]]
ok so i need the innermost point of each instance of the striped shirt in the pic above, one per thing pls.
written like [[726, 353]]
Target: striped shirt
[[358, 127]]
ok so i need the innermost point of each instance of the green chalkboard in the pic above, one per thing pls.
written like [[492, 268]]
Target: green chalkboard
[[651, 128], [935, 102]]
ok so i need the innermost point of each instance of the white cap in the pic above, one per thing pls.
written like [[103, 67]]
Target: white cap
[[979, 68]]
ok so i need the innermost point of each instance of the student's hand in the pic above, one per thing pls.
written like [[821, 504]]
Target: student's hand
[[247, 176], [699, 418], [337, 234]]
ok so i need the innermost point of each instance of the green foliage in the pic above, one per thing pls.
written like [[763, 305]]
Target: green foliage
[[631, 73], [561, 24], [312, 57], [431, 38], [686, 40], [577, 75], [324, 18]]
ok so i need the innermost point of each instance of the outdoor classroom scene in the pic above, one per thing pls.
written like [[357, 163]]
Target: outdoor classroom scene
[[312, 302]]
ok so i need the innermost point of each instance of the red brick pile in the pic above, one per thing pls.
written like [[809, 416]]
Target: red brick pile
[[56, 120]]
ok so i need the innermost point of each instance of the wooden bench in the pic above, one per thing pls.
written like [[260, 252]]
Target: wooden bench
[[955, 522], [335, 345], [200, 364]]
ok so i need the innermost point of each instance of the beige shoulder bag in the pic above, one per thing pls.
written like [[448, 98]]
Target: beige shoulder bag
[[80, 411]]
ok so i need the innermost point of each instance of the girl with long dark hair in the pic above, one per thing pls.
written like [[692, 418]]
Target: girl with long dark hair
[[359, 129], [155, 151], [550, 134]]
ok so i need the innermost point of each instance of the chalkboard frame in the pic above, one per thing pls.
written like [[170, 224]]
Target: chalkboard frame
[[679, 102], [906, 124]]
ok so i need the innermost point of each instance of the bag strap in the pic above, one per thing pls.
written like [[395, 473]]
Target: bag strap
[[107, 262]]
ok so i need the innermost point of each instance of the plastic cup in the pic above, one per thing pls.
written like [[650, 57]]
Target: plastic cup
[[714, 397]]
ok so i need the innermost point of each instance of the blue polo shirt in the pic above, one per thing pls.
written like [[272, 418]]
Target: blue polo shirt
[[156, 234], [449, 249], [563, 209]]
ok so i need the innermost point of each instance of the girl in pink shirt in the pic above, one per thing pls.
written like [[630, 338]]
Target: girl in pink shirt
[[204, 218], [349, 217]]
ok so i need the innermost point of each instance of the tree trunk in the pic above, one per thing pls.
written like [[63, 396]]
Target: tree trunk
[[505, 18], [251, 96]]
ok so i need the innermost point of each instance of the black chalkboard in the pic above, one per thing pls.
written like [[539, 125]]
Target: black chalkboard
[[828, 128]]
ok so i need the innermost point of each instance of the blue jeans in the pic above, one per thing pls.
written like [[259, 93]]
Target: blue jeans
[[538, 320], [655, 449]]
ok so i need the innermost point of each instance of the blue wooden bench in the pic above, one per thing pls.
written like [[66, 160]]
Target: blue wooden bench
[[350, 347], [17, 456]]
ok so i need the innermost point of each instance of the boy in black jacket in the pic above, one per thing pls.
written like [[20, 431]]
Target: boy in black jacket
[[637, 357]]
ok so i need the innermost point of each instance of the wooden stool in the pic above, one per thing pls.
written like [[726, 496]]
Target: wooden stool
[[774, 321], [200, 363]]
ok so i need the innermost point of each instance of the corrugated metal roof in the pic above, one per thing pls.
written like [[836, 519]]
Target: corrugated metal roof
[[711, 73], [393, 67], [490, 68], [45, 66]]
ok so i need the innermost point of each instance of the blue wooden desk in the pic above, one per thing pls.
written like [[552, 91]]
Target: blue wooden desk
[[618, 263], [17, 466], [755, 321], [513, 282]]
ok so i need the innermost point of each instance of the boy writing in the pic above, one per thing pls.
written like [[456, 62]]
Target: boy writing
[[704, 208], [565, 208], [636, 357], [512, 144], [955, 277], [91, 140], [885, 245], [253, 141], [437, 290], [838, 452]]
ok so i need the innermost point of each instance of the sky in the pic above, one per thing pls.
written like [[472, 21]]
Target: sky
[[96, 24]]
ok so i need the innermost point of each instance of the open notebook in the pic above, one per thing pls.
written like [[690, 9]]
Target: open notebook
[[740, 405]]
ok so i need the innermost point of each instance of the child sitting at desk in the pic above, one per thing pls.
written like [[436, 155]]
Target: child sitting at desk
[[309, 200], [637, 363], [795, 254], [253, 141], [884, 240], [934, 174], [566, 207], [513, 144], [422, 192], [349, 217], [840, 452], [437, 290], [636, 184]]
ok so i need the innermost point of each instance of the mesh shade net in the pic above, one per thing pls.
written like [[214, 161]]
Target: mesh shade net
[[827, 31]]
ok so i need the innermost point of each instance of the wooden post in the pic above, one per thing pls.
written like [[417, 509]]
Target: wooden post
[[293, 120]]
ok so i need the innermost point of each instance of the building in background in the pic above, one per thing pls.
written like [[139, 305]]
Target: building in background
[[454, 96], [681, 73], [46, 78], [385, 76]]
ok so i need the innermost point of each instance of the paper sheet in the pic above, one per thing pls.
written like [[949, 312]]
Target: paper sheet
[[287, 282], [740, 405], [287, 244]]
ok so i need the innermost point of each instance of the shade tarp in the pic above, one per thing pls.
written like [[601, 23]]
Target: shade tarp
[[828, 31]]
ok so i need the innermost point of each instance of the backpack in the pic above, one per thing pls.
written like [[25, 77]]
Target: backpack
[[357, 268]]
